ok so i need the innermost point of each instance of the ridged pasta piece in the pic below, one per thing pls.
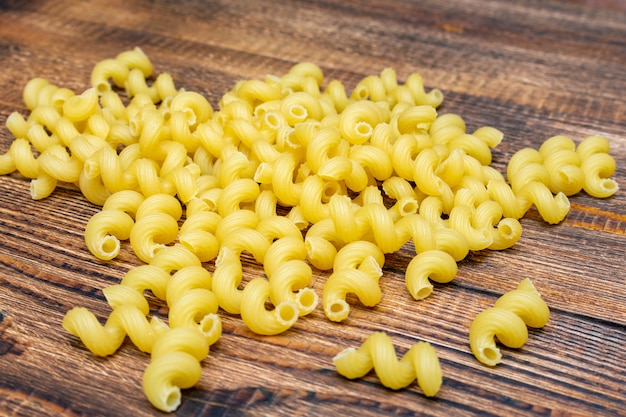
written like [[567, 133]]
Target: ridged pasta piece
[[507, 321], [357, 269], [174, 365], [104, 230], [192, 303], [552, 209], [125, 320], [378, 353], [597, 169], [260, 320], [358, 120], [435, 265]]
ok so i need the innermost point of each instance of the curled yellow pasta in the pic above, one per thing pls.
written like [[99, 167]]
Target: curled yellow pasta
[[125, 320], [597, 169], [357, 269], [507, 320], [378, 353], [260, 320], [174, 365], [104, 230], [435, 265]]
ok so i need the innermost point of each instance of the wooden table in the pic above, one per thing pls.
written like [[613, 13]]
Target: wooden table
[[532, 69]]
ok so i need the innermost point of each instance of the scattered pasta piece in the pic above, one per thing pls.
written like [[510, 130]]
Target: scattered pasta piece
[[507, 321], [377, 352]]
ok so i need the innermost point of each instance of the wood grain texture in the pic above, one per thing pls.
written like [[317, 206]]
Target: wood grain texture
[[531, 68]]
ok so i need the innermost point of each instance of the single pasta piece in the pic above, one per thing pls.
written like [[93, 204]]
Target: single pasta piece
[[435, 265], [507, 320], [289, 275], [377, 352], [260, 320], [357, 269], [103, 340], [174, 365], [104, 230]]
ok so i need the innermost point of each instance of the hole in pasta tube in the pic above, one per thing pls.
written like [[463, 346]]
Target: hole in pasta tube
[[338, 310], [287, 313], [331, 188], [307, 299], [134, 125], [423, 292], [91, 169], [298, 112], [609, 185], [109, 247], [361, 92], [363, 129], [408, 207], [102, 87], [271, 119], [173, 399], [211, 327], [190, 116], [491, 355]]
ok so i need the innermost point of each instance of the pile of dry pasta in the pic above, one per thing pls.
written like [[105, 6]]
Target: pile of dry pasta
[[298, 173]]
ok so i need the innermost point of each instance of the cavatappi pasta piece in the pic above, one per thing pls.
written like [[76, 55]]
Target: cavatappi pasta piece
[[151, 233], [435, 265], [289, 275], [357, 269], [378, 352], [104, 230], [257, 318], [174, 365], [552, 209], [191, 304], [504, 231], [597, 169], [478, 237], [507, 321], [125, 320]]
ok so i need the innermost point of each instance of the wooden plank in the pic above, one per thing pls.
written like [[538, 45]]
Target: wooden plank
[[532, 69]]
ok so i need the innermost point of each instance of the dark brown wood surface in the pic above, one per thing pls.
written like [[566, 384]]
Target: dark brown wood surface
[[531, 68]]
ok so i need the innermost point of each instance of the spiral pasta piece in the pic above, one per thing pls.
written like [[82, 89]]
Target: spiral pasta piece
[[125, 320], [435, 265], [174, 365], [289, 275], [357, 269], [507, 321], [377, 352], [260, 320]]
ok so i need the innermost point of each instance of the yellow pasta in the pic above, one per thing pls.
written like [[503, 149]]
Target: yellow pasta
[[125, 320], [174, 365], [104, 231], [260, 320], [597, 169], [377, 352], [193, 305], [507, 321], [354, 176], [358, 120], [357, 268], [435, 265]]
